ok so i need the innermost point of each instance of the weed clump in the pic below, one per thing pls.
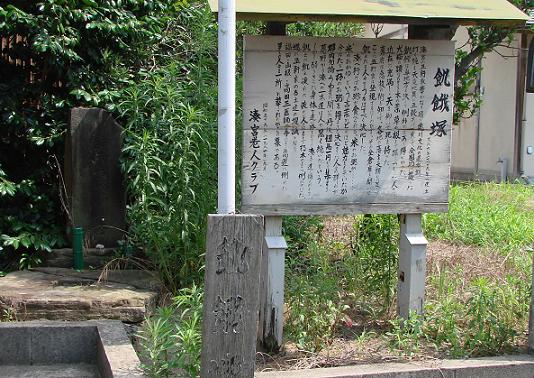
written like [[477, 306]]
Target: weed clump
[[171, 339]]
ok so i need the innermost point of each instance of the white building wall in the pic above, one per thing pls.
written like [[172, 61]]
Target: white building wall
[[527, 154], [495, 123]]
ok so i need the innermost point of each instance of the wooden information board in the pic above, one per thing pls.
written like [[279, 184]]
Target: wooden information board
[[344, 126]]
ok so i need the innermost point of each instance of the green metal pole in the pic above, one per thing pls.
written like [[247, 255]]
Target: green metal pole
[[77, 247]]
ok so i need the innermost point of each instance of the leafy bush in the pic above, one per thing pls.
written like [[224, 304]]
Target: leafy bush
[[74, 53], [322, 284], [300, 231], [170, 156], [169, 161], [325, 29], [405, 335]]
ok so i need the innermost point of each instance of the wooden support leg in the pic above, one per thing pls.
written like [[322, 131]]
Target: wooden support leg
[[531, 318], [412, 266], [272, 286]]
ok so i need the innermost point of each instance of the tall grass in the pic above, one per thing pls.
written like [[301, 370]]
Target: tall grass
[[499, 216], [485, 320], [170, 149], [326, 280], [465, 315]]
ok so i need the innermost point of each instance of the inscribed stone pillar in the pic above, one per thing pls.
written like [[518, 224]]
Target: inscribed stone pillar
[[93, 178]]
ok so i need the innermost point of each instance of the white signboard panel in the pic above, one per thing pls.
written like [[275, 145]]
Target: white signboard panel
[[339, 125]]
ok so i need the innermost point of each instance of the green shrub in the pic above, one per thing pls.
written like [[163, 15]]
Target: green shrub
[[484, 322], [81, 53], [325, 29], [405, 335], [171, 339], [170, 155], [324, 281], [300, 231]]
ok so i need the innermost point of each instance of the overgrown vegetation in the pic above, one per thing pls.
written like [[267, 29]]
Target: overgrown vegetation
[[464, 315], [171, 339], [486, 215], [330, 280], [343, 290], [63, 53], [170, 150]]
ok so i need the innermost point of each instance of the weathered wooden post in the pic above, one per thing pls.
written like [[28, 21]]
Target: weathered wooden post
[[231, 300], [271, 324]]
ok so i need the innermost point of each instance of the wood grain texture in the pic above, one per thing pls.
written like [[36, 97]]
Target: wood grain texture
[[272, 286], [231, 299], [346, 209], [332, 124]]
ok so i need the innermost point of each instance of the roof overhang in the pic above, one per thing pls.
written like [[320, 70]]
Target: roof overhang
[[453, 12]]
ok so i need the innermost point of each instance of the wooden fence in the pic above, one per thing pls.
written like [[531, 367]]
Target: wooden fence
[[11, 53]]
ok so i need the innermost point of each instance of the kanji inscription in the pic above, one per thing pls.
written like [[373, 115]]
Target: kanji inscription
[[231, 295], [335, 125]]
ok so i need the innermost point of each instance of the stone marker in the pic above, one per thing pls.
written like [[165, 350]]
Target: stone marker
[[231, 300], [93, 178]]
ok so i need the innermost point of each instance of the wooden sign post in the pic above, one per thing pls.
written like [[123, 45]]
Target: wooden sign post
[[271, 325], [337, 126], [343, 126], [231, 299]]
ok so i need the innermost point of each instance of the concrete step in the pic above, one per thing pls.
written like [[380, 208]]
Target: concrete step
[[50, 371]]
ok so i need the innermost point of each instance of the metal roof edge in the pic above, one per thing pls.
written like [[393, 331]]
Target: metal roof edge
[[515, 16]]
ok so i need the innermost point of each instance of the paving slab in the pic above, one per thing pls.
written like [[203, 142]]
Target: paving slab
[[50, 371], [518, 366], [65, 294], [85, 349]]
